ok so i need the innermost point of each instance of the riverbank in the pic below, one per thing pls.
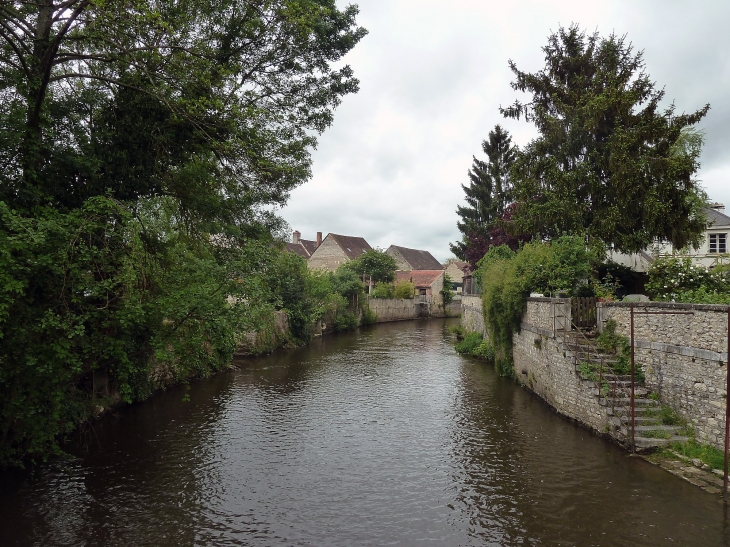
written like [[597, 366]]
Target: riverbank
[[682, 383]]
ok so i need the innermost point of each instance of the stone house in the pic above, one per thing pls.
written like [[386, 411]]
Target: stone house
[[303, 247], [713, 250], [335, 250], [413, 259], [428, 283], [456, 270]]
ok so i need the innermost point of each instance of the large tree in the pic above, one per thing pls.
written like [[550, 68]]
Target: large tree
[[609, 161], [488, 193], [212, 102], [142, 147]]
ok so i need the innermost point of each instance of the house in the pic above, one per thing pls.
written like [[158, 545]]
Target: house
[[456, 271], [710, 252], [335, 250], [413, 259], [428, 282], [303, 247]]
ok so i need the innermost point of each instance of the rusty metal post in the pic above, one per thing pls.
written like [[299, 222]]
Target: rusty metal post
[[633, 410], [727, 410]]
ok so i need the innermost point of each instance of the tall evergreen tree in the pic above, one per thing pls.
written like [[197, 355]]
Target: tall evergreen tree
[[609, 162], [489, 191]]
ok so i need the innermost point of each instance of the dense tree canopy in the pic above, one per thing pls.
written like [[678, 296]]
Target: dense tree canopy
[[142, 146], [212, 102], [608, 161]]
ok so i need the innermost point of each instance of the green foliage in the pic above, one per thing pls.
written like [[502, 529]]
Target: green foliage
[[404, 289], [446, 292], [82, 297], [475, 345], [677, 279], [489, 190], [618, 346], [469, 343], [345, 320], [383, 290], [693, 450], [600, 127], [150, 99], [368, 316], [508, 278], [142, 146], [374, 263]]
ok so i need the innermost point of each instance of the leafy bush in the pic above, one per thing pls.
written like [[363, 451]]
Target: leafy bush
[[345, 320], [612, 343], [404, 289], [678, 279], [508, 278], [383, 290], [469, 344], [446, 292], [368, 316]]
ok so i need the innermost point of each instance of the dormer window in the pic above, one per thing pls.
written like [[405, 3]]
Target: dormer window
[[718, 243]]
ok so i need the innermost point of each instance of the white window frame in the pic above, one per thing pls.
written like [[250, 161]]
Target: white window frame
[[718, 243]]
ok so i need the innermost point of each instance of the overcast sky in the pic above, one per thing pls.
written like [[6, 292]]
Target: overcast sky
[[432, 77]]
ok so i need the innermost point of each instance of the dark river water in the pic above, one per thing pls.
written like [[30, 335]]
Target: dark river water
[[381, 437]]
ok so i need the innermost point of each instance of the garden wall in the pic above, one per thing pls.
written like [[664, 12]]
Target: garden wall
[[684, 358], [543, 366]]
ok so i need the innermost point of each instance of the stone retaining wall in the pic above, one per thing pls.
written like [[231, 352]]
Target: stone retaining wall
[[684, 358], [394, 309], [471, 314]]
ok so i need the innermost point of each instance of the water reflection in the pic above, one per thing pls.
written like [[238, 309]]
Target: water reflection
[[382, 437]]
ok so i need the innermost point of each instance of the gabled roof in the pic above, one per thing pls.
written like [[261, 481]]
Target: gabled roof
[[419, 260], [352, 246], [461, 265], [308, 245], [420, 278], [297, 249], [715, 218]]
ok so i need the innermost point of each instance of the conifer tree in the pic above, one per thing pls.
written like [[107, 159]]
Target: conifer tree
[[488, 193]]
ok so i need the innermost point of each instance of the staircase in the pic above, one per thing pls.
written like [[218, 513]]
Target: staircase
[[613, 392]]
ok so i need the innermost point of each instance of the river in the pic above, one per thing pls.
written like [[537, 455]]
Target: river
[[384, 436]]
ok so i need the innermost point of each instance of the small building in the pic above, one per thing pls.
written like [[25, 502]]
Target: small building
[[413, 259], [303, 247], [428, 282], [335, 250], [456, 271]]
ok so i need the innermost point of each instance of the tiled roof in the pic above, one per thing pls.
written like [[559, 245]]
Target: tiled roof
[[461, 265], [297, 249], [716, 218], [352, 246], [309, 245], [419, 260], [420, 278]]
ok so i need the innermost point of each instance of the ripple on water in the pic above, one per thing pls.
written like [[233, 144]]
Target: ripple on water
[[385, 437]]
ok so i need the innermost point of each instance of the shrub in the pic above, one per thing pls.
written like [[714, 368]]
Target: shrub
[[368, 316], [677, 279], [470, 343], [383, 290], [404, 289], [508, 278], [345, 320]]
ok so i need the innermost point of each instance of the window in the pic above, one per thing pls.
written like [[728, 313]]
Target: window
[[718, 243]]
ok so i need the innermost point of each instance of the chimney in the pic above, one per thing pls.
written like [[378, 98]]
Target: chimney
[[719, 207], [319, 239]]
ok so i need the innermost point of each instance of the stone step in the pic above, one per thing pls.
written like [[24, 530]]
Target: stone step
[[645, 428], [648, 443], [626, 411], [626, 401], [620, 422]]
